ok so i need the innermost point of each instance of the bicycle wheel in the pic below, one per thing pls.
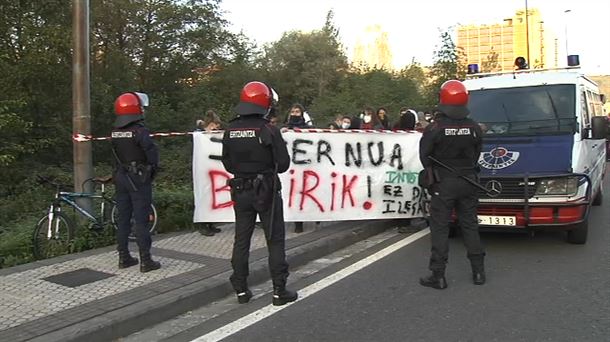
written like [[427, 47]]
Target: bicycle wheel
[[152, 221], [52, 239]]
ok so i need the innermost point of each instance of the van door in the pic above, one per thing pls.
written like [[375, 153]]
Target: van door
[[593, 150]]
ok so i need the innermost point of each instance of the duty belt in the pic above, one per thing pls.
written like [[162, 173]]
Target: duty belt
[[246, 183]]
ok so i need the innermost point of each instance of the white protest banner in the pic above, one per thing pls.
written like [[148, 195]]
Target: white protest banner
[[333, 176]]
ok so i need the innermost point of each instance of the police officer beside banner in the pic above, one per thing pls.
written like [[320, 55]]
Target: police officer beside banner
[[136, 159], [455, 141], [255, 152]]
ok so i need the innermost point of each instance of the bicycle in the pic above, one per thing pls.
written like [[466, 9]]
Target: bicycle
[[54, 232]]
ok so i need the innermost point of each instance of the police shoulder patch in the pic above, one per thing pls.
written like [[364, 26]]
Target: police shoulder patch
[[242, 133], [122, 134]]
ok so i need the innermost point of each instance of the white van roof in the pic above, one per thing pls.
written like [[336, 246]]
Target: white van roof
[[525, 79]]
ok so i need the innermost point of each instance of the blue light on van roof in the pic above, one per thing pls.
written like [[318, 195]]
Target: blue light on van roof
[[473, 68]]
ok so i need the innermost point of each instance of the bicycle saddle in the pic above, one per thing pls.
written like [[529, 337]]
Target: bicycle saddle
[[103, 180]]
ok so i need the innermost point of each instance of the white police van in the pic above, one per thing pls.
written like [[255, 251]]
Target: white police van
[[544, 153]]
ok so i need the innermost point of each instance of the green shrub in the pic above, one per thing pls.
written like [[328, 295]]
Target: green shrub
[[174, 208]]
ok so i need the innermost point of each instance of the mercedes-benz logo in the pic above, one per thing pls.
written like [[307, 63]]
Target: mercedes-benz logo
[[494, 188]]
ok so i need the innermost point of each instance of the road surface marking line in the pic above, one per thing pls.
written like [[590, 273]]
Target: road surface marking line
[[262, 313]]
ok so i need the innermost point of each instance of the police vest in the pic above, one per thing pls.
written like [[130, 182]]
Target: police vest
[[457, 143], [249, 144], [125, 145]]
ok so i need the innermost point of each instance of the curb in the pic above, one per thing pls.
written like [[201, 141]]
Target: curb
[[161, 307]]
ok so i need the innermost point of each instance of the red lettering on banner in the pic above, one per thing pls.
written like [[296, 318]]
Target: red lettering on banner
[[333, 187], [291, 194], [347, 189], [218, 179], [307, 192]]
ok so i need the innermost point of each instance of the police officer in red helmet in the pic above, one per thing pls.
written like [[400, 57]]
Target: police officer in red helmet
[[136, 159], [255, 153], [454, 140]]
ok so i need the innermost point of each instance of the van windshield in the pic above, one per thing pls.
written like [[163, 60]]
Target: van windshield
[[536, 110]]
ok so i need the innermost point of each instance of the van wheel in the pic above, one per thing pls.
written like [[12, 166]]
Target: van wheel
[[578, 234], [599, 198]]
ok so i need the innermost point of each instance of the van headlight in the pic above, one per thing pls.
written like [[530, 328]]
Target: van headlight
[[567, 186]]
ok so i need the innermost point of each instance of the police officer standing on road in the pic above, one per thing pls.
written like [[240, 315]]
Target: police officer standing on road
[[136, 160], [454, 140], [255, 152]]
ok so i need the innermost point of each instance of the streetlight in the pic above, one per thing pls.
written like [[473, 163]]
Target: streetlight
[[566, 12], [527, 31]]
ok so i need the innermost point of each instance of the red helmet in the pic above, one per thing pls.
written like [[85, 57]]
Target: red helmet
[[256, 98], [129, 107], [453, 99]]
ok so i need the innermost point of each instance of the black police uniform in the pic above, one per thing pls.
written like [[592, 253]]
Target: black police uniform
[[252, 149], [457, 143], [138, 158]]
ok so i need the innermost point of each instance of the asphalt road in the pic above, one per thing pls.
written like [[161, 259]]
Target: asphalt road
[[539, 289]]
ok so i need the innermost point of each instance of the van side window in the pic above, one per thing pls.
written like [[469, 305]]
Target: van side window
[[590, 105], [597, 105], [584, 111]]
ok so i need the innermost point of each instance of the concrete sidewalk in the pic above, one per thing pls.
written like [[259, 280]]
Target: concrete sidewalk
[[85, 296]]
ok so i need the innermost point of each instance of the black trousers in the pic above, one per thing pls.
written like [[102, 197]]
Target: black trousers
[[454, 193], [133, 203], [249, 202]]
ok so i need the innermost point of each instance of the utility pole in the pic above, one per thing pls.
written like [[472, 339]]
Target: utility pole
[[81, 111], [567, 17], [527, 33]]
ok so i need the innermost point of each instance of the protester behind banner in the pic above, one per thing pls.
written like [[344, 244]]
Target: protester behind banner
[[383, 118], [210, 122], [407, 119], [298, 117], [337, 123], [370, 120], [333, 176]]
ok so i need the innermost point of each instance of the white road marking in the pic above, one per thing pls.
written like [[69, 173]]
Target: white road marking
[[269, 310]]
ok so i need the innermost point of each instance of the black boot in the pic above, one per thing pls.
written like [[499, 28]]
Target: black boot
[[436, 280], [126, 260], [214, 229], [206, 229], [148, 264], [282, 296], [244, 296], [478, 274], [298, 227]]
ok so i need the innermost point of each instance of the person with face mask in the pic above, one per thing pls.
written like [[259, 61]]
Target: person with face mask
[[346, 122], [370, 120], [428, 117], [298, 117]]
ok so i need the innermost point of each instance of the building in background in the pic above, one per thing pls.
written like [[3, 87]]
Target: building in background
[[494, 47], [372, 50]]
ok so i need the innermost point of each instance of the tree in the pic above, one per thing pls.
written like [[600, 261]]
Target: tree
[[491, 63], [417, 75], [449, 63], [303, 66]]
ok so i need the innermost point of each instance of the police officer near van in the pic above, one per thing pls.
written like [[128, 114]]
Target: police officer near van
[[136, 158], [455, 140], [255, 153]]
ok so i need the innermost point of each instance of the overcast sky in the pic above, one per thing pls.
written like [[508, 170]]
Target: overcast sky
[[413, 26]]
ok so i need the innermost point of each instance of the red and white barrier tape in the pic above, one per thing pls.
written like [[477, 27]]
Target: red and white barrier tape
[[83, 138], [329, 130]]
